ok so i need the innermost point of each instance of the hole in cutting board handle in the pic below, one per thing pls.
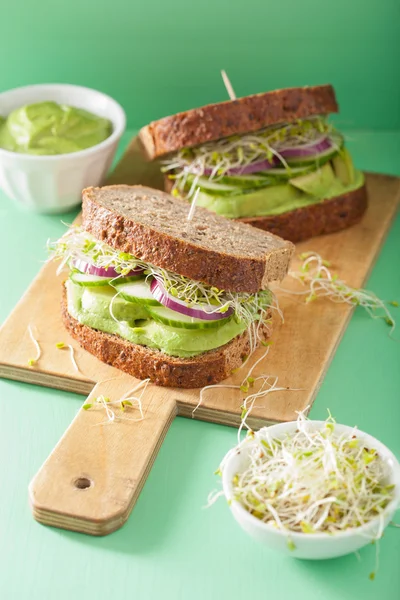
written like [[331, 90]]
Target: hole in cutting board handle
[[82, 483]]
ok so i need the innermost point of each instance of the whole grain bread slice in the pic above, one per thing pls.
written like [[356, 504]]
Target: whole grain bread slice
[[153, 226], [142, 362], [235, 117], [310, 221]]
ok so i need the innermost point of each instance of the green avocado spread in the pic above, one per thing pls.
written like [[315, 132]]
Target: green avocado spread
[[49, 128], [332, 179], [91, 306]]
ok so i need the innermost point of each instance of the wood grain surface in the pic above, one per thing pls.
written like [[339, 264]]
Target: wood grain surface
[[93, 477]]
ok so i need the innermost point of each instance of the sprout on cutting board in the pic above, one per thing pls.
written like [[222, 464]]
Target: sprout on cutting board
[[319, 281], [32, 361], [268, 385], [59, 345], [62, 346], [126, 401]]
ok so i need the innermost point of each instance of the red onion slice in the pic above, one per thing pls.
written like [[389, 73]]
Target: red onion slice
[[86, 267], [161, 294], [322, 145], [261, 165], [308, 150]]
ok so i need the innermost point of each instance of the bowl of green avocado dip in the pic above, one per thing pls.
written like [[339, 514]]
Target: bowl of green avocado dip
[[48, 128], [55, 140]]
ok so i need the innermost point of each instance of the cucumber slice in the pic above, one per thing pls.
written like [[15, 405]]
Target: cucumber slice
[[240, 184], [282, 173], [317, 159], [211, 186], [88, 280], [248, 181], [119, 280], [136, 291], [166, 316]]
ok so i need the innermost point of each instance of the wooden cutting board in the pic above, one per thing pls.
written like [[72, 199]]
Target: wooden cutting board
[[91, 480]]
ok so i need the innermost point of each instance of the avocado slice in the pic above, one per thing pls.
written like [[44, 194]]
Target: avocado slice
[[317, 183], [94, 311], [275, 199], [343, 166], [278, 199]]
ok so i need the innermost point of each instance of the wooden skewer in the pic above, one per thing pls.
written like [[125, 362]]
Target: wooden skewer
[[228, 85], [193, 205]]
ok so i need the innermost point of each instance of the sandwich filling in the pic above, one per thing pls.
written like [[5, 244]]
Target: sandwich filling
[[115, 293], [270, 172]]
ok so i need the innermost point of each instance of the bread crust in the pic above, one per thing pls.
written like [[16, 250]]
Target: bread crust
[[310, 221], [142, 362], [235, 117], [179, 253]]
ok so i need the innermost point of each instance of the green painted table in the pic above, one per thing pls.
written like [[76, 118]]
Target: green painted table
[[171, 548]]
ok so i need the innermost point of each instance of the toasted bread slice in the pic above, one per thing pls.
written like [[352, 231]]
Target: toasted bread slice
[[153, 226], [142, 362], [324, 217], [235, 117]]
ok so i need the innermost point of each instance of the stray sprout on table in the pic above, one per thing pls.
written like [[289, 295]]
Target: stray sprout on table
[[59, 345], [125, 402], [314, 275], [267, 386], [32, 361], [62, 346], [243, 387]]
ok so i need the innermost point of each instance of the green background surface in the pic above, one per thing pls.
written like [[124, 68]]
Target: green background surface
[[171, 548], [156, 58]]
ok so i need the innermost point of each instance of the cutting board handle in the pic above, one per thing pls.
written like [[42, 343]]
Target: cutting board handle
[[93, 477]]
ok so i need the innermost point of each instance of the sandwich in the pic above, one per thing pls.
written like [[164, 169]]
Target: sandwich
[[271, 160], [159, 292]]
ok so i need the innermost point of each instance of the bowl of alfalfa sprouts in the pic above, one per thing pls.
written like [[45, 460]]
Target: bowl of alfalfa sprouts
[[312, 489]]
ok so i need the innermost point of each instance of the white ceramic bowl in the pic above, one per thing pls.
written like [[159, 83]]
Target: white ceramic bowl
[[53, 184], [317, 545]]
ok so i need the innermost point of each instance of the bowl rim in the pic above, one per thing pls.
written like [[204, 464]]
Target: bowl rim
[[393, 505], [118, 127]]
